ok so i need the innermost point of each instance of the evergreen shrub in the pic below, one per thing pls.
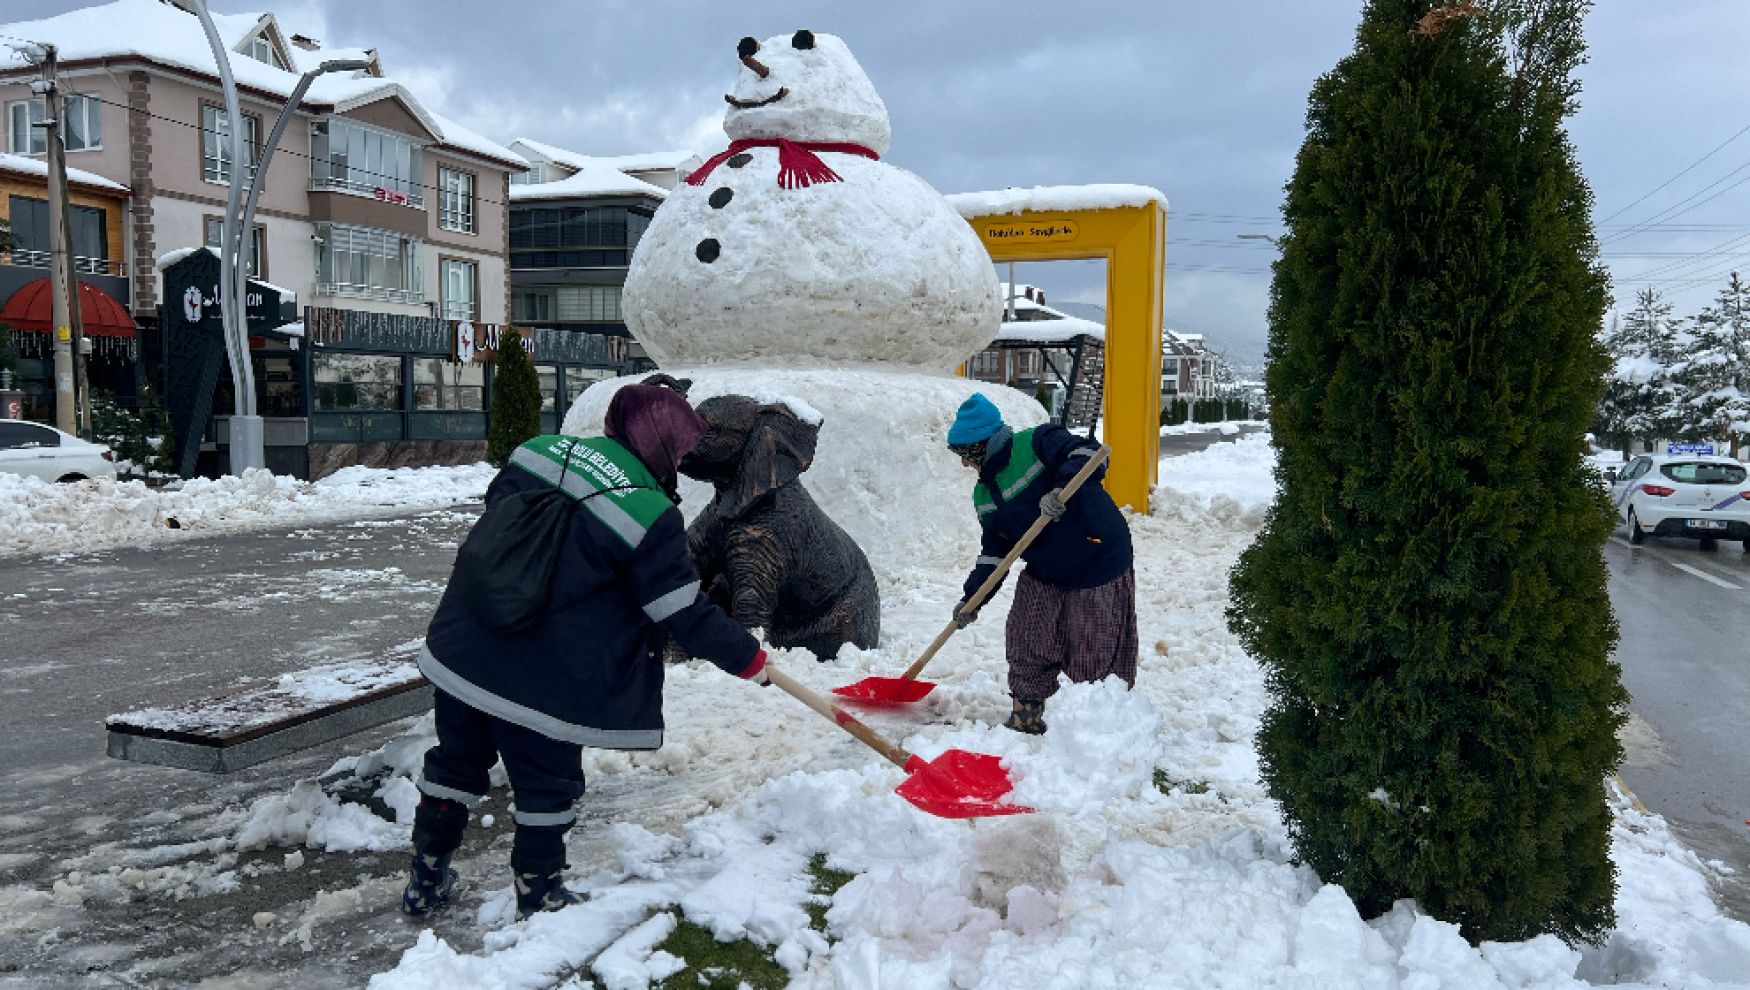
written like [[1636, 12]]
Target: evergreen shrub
[[515, 417], [1427, 594]]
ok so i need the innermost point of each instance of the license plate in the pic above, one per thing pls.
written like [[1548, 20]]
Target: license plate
[[1704, 524]]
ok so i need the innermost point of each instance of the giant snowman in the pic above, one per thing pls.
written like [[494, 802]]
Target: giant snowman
[[796, 266]]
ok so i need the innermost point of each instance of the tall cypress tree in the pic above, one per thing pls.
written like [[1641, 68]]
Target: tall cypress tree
[[1427, 595], [516, 401]]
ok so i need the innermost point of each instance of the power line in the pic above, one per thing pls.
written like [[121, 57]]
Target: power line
[[1687, 204], [1691, 167]]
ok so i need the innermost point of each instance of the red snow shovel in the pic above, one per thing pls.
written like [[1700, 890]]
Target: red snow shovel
[[956, 784], [888, 691]]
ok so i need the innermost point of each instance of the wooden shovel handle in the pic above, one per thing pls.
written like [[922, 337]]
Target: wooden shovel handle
[[1095, 459], [840, 717]]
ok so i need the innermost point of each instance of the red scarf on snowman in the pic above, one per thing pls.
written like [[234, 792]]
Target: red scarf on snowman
[[798, 165]]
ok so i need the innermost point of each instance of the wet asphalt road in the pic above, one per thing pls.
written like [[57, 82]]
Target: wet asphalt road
[[87, 635], [1685, 655]]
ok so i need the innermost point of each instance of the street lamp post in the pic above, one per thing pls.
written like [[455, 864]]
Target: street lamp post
[[247, 440]]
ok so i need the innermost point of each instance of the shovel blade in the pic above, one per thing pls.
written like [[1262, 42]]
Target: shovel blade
[[880, 691], [959, 784]]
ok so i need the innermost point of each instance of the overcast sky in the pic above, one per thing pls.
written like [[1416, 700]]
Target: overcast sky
[[1203, 100]]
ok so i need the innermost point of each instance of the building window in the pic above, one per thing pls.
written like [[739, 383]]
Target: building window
[[257, 244], [357, 382], [440, 385], [348, 155], [530, 178], [1170, 367], [456, 200], [577, 237], [30, 224], [216, 143], [460, 279], [83, 123], [261, 50], [986, 363], [374, 264], [588, 304], [532, 306]]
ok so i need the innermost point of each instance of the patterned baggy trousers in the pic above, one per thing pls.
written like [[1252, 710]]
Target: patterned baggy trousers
[[1086, 633]]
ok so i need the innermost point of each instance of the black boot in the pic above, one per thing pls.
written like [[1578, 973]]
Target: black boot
[[1028, 716], [437, 831], [541, 887]]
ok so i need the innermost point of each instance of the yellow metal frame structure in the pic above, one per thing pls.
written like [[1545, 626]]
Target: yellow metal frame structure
[[1132, 240]]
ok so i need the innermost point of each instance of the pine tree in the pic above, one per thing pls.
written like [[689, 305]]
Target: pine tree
[[516, 401], [1640, 390], [1713, 375], [1427, 595]]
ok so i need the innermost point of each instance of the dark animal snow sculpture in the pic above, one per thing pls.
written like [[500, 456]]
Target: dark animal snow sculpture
[[765, 551]]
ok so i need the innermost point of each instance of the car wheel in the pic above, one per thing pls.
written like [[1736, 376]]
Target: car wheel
[[1635, 535], [67, 479], [1710, 544]]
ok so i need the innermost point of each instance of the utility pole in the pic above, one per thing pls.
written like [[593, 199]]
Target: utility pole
[[60, 262]]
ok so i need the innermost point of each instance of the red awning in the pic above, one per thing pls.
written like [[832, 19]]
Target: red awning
[[32, 308]]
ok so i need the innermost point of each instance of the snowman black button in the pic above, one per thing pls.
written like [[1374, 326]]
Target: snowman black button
[[720, 197], [739, 159], [708, 250]]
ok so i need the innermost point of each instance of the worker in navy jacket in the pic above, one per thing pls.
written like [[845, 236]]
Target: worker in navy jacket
[[1074, 610], [587, 671]]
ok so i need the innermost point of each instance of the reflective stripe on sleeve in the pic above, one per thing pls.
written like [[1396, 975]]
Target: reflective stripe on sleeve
[[992, 561], [672, 602]]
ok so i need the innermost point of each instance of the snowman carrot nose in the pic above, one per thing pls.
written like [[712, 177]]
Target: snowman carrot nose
[[747, 49]]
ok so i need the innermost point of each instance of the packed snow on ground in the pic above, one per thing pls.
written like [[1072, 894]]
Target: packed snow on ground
[[1154, 858], [40, 517]]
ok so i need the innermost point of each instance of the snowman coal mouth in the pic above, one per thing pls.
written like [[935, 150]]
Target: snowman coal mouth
[[782, 92]]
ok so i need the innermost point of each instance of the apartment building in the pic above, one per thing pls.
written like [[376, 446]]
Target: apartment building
[[575, 220], [388, 221]]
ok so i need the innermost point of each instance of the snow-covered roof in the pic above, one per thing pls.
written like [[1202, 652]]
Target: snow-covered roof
[[591, 179], [644, 162], [38, 167], [1051, 331], [168, 35], [1050, 199]]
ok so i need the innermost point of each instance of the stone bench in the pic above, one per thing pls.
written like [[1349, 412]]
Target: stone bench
[[254, 724]]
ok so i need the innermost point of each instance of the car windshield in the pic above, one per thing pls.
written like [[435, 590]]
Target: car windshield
[[1705, 473]]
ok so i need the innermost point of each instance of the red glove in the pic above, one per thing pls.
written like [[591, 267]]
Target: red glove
[[756, 670]]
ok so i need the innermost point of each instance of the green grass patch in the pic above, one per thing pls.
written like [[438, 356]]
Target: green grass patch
[[827, 882], [1166, 783], [714, 965]]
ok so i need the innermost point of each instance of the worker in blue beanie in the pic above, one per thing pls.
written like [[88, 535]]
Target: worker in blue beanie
[[1074, 611]]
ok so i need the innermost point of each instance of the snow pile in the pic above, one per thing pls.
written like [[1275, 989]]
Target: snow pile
[[1055, 199], [1154, 859], [1236, 474], [39, 517]]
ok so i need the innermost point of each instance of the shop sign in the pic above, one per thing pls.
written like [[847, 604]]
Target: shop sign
[[395, 196], [477, 343], [1032, 232]]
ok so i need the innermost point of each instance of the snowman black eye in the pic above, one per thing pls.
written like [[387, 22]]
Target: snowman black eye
[[747, 48], [803, 39]]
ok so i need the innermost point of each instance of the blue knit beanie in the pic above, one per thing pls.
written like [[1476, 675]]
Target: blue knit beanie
[[977, 419]]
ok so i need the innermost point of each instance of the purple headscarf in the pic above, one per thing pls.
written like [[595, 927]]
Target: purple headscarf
[[657, 425]]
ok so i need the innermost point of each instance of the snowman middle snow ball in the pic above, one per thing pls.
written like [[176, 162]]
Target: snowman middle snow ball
[[798, 246]]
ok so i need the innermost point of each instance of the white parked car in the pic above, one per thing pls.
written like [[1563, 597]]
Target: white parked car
[[38, 451], [1695, 496]]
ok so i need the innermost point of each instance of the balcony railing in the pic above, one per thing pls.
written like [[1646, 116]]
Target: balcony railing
[[370, 292], [414, 199], [25, 258]]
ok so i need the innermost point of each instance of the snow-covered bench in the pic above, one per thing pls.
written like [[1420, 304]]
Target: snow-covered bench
[[258, 723]]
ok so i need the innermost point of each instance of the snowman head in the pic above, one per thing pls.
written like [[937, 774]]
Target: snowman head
[[805, 87]]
